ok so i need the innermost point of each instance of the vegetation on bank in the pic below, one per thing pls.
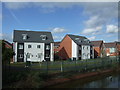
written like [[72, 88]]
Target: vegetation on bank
[[32, 77], [36, 79], [78, 65]]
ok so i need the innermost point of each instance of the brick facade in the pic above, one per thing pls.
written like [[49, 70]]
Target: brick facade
[[65, 49]]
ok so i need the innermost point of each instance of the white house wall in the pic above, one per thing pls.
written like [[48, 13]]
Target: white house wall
[[15, 51], [74, 50], [34, 51], [85, 52], [52, 52]]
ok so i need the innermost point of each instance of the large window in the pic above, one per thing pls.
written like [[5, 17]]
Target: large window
[[20, 46], [47, 47], [112, 50], [29, 46]]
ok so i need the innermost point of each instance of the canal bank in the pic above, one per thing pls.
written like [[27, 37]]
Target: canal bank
[[80, 76]]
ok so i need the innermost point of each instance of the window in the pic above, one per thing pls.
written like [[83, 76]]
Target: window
[[39, 55], [28, 56], [76, 38], [20, 46], [112, 50], [87, 48], [83, 54], [47, 55], [83, 47], [79, 40], [29, 46], [24, 36], [88, 54], [43, 37], [38, 46], [20, 55], [47, 47]]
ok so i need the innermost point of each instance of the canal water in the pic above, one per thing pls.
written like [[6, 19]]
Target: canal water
[[111, 80]]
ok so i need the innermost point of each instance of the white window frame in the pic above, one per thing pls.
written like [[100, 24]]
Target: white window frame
[[24, 36], [44, 37], [47, 47], [20, 46]]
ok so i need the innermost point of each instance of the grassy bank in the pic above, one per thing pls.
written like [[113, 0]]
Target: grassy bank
[[38, 74], [36, 79]]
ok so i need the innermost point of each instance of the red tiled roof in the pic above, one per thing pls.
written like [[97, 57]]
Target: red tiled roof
[[97, 43], [109, 45]]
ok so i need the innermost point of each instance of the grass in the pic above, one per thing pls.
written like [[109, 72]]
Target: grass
[[36, 79], [71, 65]]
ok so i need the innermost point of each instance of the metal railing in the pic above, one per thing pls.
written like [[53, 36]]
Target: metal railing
[[77, 65]]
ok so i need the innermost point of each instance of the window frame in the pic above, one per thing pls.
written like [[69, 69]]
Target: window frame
[[39, 46], [19, 46], [30, 46]]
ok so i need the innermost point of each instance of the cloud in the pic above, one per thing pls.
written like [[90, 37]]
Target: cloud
[[92, 31], [58, 30], [92, 38], [94, 21], [57, 37], [111, 29], [7, 37], [17, 5], [43, 5], [99, 15]]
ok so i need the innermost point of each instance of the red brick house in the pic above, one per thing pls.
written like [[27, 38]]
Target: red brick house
[[75, 47], [118, 48], [112, 49], [98, 48]]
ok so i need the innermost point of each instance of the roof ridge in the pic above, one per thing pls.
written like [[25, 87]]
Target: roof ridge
[[76, 35], [30, 31]]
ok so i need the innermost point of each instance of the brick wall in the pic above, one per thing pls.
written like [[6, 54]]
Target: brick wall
[[65, 49]]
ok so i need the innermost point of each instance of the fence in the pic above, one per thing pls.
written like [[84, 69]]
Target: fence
[[78, 65]]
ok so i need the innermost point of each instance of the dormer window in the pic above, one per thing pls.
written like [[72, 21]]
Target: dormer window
[[80, 41], [76, 38], [44, 37], [85, 39], [24, 36]]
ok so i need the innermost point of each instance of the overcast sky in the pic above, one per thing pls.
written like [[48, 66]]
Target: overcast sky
[[94, 20]]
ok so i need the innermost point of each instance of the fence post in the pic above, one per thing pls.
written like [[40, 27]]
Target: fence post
[[61, 65], [47, 67], [86, 65]]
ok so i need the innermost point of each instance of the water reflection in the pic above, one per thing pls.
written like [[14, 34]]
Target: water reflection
[[107, 81]]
